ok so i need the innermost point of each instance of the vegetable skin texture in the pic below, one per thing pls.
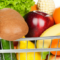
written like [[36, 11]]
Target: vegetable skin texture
[[12, 25]]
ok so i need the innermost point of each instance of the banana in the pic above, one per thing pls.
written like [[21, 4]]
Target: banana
[[52, 31]]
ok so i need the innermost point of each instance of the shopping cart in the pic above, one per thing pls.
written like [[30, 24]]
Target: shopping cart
[[34, 50]]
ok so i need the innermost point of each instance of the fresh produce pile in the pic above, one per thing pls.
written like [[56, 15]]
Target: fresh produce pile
[[22, 19]]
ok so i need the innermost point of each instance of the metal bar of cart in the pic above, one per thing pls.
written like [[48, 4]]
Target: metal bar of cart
[[29, 50], [32, 50], [38, 38]]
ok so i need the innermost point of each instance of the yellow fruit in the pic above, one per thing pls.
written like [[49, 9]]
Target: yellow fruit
[[52, 31], [24, 45], [30, 55]]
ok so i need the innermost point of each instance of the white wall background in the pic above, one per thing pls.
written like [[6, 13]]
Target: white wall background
[[57, 3]]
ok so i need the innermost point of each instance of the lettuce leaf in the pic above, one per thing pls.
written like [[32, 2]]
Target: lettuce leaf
[[22, 6]]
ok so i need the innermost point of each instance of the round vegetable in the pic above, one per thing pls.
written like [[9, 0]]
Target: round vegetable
[[12, 25]]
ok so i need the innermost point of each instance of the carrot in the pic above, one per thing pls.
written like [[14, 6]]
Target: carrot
[[34, 7]]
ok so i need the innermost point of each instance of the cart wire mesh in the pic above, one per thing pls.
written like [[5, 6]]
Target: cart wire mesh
[[32, 50]]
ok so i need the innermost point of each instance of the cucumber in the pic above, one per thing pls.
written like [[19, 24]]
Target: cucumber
[[2, 56], [6, 45]]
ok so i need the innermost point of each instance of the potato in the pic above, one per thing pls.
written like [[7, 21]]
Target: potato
[[12, 25]]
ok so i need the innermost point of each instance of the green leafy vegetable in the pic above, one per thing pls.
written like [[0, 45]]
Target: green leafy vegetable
[[22, 6]]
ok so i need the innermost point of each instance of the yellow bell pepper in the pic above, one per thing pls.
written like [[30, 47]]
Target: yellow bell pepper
[[29, 55]]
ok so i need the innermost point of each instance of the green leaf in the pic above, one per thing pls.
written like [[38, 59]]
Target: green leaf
[[21, 6]]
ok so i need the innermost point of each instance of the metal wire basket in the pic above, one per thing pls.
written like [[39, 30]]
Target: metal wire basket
[[33, 50]]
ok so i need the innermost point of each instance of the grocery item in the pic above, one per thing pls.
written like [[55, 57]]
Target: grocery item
[[33, 8], [6, 45], [15, 43], [22, 6], [56, 15], [47, 6], [52, 31], [14, 47], [55, 43], [12, 27], [30, 55], [38, 22], [23, 44], [53, 57], [12, 24]]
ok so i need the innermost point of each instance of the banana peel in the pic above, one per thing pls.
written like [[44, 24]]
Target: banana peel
[[29, 55], [52, 31]]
